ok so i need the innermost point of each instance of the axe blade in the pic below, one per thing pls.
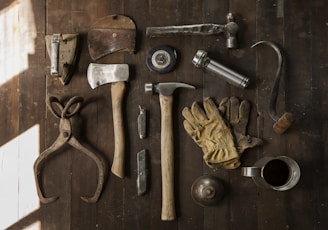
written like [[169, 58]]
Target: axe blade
[[100, 74]]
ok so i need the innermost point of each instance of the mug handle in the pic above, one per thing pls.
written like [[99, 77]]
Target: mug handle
[[250, 171]]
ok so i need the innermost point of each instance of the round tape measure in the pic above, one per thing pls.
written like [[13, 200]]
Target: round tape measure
[[161, 59]]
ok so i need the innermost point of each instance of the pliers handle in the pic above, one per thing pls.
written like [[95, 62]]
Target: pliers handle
[[64, 111]]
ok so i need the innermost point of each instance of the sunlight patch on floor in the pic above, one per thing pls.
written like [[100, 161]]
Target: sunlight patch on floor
[[18, 32], [18, 196]]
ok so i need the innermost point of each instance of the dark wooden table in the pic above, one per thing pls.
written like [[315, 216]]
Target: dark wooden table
[[299, 27]]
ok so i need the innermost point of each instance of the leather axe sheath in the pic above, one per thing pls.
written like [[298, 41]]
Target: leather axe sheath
[[111, 34]]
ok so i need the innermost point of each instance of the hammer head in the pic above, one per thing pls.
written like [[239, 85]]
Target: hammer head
[[99, 74], [231, 31], [167, 88]]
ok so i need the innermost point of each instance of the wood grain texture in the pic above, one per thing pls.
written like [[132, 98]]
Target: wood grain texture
[[167, 158], [117, 94], [298, 27], [266, 66]]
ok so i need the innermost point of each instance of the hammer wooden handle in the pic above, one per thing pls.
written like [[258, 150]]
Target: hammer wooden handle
[[167, 158], [117, 91]]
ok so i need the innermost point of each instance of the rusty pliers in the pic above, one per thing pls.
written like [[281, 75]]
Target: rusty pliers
[[71, 108]]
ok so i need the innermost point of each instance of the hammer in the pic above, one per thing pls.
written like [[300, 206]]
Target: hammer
[[117, 74], [165, 91], [230, 29]]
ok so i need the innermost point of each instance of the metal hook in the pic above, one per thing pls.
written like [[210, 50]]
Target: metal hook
[[284, 122]]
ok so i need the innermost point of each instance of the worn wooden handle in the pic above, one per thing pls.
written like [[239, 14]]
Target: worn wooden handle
[[167, 158], [284, 122], [117, 92]]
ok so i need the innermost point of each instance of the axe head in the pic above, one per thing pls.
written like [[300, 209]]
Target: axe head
[[100, 74]]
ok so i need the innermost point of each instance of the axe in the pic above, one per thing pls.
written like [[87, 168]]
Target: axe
[[117, 74]]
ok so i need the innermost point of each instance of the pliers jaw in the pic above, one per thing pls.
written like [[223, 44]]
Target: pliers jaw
[[43, 199], [101, 165]]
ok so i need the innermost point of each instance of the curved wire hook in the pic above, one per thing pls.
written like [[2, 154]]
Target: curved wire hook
[[284, 122]]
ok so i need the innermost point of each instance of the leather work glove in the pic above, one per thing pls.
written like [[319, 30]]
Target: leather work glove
[[211, 133], [237, 114]]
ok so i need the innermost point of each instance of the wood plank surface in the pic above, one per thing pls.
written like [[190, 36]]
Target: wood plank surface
[[299, 28], [270, 205], [23, 110]]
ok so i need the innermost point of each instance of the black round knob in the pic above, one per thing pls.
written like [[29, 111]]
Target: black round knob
[[207, 191]]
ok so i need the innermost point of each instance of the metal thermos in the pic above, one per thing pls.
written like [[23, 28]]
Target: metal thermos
[[201, 60]]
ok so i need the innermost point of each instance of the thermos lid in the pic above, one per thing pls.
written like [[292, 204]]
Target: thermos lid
[[207, 191]]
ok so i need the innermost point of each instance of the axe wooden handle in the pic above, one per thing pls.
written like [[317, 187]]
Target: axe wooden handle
[[167, 158], [117, 91]]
